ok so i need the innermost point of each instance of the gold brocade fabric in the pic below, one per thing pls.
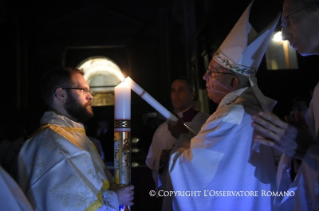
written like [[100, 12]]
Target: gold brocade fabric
[[96, 204], [63, 131], [59, 169]]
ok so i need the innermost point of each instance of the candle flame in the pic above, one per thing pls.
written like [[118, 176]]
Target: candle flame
[[121, 77], [123, 80]]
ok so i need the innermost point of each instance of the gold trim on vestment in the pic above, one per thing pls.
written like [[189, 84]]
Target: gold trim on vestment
[[63, 131], [98, 203]]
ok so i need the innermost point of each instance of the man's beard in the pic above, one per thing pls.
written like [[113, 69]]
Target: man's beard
[[77, 111]]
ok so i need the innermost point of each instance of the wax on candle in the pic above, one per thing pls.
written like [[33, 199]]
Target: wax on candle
[[150, 100], [122, 105]]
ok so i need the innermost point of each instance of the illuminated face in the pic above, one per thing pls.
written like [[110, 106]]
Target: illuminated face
[[181, 95], [301, 26], [218, 81], [78, 102]]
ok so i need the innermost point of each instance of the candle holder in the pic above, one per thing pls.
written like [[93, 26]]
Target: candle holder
[[122, 154]]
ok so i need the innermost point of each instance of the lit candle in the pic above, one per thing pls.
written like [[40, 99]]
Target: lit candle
[[122, 102], [150, 100], [122, 136]]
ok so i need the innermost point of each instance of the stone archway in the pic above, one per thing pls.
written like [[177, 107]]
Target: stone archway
[[102, 75]]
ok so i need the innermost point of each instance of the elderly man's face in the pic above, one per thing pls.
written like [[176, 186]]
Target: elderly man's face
[[78, 102], [218, 81], [301, 27]]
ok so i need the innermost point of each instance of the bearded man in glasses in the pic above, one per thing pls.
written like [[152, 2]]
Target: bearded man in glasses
[[59, 167], [298, 169], [221, 168]]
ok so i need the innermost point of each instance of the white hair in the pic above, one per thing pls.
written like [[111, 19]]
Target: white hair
[[243, 80]]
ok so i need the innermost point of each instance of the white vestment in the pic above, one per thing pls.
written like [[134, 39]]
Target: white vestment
[[59, 169], [222, 168], [163, 139], [305, 186], [11, 196]]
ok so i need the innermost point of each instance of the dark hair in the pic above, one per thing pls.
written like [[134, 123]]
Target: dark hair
[[188, 82], [54, 78]]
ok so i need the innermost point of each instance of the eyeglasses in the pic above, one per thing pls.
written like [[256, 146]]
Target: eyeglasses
[[285, 20], [212, 73], [84, 90]]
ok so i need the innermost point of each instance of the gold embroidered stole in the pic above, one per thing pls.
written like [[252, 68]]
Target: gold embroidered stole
[[63, 131], [97, 203]]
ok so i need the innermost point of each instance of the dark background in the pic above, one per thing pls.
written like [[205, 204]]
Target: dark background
[[151, 40]]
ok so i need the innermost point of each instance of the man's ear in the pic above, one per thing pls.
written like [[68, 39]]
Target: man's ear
[[60, 94], [234, 83], [193, 95]]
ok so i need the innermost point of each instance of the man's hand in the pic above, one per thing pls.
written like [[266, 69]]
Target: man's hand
[[292, 138], [125, 194], [177, 128]]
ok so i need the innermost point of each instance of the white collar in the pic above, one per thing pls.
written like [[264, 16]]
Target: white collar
[[231, 97], [180, 114]]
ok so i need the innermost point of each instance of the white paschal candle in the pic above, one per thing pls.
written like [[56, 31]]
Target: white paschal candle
[[122, 104], [150, 100]]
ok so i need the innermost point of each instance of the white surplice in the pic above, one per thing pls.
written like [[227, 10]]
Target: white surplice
[[306, 183], [59, 168], [162, 139], [11, 196], [221, 158]]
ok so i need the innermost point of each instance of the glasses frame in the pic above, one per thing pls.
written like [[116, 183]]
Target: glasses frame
[[84, 90], [285, 20], [208, 72]]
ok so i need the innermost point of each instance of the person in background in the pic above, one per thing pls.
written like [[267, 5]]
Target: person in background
[[297, 138], [301, 105], [182, 96]]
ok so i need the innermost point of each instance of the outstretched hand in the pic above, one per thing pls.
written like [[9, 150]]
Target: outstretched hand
[[125, 194], [291, 137]]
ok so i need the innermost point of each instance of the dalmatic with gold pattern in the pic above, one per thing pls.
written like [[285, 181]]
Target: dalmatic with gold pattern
[[60, 169]]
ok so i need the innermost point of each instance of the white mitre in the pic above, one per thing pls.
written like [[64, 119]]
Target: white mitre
[[243, 50]]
